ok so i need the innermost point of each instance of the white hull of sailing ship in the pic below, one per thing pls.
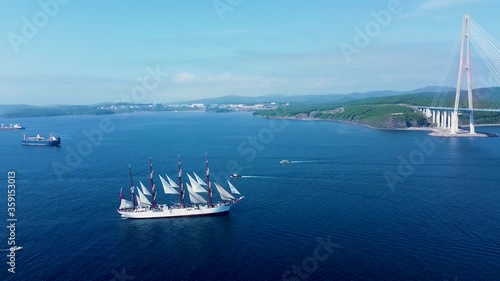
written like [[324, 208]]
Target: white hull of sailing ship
[[144, 209], [168, 212]]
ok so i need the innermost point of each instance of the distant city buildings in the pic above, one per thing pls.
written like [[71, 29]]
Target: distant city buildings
[[121, 108], [244, 107]]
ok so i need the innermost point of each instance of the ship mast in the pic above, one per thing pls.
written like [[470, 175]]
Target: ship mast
[[208, 181], [131, 184], [151, 183], [180, 179]]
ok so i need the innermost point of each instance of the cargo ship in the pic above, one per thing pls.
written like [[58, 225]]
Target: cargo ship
[[53, 140], [4, 127]]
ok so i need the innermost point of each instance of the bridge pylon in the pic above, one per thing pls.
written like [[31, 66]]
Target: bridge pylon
[[464, 66]]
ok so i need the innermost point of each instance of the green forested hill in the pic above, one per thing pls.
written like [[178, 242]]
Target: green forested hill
[[393, 111], [483, 98], [55, 111]]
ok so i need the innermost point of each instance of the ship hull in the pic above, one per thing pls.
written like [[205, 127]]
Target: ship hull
[[41, 143], [175, 212], [10, 129]]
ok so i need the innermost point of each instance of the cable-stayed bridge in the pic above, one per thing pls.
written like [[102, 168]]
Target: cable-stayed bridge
[[489, 50]]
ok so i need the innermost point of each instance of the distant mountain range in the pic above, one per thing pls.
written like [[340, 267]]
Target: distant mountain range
[[23, 110], [312, 99]]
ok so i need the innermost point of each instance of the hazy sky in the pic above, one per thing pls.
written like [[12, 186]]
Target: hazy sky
[[82, 52]]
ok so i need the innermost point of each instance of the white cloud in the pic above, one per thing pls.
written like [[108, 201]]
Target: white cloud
[[183, 78], [225, 32], [243, 79], [432, 5]]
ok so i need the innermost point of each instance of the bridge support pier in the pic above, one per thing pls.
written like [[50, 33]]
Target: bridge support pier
[[454, 122], [472, 129], [428, 113]]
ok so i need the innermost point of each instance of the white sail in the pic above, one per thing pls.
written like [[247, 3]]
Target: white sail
[[233, 189], [125, 204], [142, 200], [195, 185], [171, 182], [224, 195], [166, 187], [145, 191], [198, 179], [194, 197]]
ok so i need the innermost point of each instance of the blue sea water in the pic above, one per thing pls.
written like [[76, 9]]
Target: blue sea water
[[331, 214]]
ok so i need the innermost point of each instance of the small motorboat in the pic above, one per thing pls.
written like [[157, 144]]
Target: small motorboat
[[284, 161], [16, 248], [235, 175]]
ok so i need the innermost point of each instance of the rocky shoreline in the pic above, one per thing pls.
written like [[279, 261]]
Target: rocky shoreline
[[434, 131]]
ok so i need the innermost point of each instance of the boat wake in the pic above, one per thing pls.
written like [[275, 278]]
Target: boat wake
[[10, 249], [300, 161]]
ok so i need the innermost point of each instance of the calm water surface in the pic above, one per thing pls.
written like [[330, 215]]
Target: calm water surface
[[439, 222]]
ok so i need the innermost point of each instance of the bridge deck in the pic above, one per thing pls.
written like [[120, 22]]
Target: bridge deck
[[460, 109]]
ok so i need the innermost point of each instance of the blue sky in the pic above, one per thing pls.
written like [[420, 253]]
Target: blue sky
[[95, 51]]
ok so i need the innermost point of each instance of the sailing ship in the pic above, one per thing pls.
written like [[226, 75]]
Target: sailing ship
[[140, 207]]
